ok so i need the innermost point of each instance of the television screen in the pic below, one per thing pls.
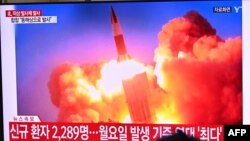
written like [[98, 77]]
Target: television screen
[[177, 62]]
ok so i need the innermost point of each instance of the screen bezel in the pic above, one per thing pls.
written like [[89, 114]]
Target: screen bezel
[[245, 50]]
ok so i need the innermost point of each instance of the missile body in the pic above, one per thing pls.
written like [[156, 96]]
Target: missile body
[[119, 39]]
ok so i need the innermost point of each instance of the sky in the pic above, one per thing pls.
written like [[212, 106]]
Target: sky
[[83, 35]]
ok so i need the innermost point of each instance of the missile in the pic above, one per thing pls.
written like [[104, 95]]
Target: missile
[[119, 39], [136, 97]]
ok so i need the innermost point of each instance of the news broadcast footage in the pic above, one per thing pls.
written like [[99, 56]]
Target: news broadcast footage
[[129, 62], [193, 63]]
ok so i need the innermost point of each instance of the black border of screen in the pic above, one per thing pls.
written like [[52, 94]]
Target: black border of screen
[[107, 1], [74, 2]]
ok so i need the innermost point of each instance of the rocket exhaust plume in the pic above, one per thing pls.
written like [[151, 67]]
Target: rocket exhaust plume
[[201, 72], [196, 79]]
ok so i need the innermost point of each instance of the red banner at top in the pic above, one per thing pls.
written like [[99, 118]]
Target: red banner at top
[[23, 13], [108, 131]]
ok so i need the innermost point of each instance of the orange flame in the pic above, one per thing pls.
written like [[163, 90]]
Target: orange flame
[[114, 72]]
